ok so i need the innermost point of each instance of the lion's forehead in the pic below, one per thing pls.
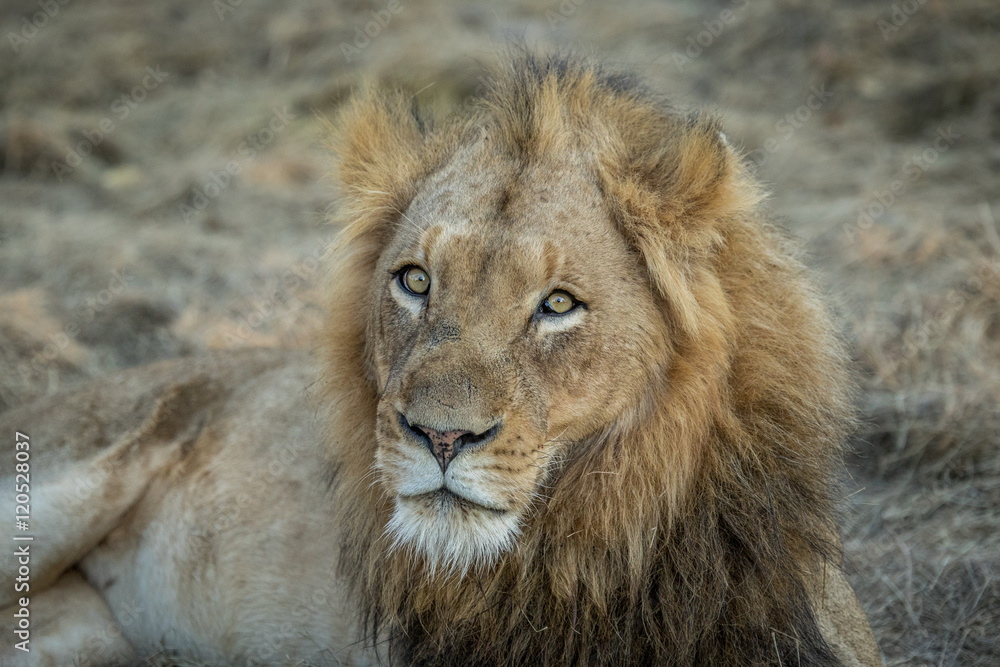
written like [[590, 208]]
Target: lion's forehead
[[481, 184], [484, 224]]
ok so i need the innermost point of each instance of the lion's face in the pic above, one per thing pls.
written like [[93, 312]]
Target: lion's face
[[510, 323], [589, 369]]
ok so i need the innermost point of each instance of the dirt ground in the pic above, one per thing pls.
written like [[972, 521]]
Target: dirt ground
[[162, 179]]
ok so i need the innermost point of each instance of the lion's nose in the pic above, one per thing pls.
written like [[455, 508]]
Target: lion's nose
[[446, 445]]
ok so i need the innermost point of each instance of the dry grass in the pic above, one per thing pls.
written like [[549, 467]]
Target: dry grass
[[918, 286]]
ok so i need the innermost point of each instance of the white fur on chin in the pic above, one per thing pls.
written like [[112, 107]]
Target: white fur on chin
[[451, 539]]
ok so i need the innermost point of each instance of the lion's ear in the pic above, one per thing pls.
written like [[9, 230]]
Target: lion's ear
[[679, 178], [672, 183], [698, 176], [380, 143]]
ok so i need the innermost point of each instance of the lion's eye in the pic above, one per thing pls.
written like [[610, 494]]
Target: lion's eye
[[558, 303], [415, 280]]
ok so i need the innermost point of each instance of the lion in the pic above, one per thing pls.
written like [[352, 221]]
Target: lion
[[576, 402]]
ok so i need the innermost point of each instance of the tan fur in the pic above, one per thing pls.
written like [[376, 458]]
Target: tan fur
[[657, 486]]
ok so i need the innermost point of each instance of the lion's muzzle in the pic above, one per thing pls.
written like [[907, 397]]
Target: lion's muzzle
[[446, 444]]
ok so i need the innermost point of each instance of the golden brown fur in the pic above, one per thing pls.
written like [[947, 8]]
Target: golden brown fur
[[687, 527]]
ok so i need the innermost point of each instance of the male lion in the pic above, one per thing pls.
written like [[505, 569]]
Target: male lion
[[576, 405]]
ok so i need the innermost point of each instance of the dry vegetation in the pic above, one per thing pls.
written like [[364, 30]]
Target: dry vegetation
[[102, 268]]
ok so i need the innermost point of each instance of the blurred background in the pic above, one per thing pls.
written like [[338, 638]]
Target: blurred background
[[163, 191]]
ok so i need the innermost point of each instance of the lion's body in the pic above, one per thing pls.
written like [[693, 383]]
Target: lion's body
[[647, 477], [225, 548]]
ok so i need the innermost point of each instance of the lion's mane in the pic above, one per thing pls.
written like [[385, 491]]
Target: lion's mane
[[681, 534]]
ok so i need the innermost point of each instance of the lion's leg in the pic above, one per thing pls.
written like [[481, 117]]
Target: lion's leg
[[74, 504], [69, 624], [841, 620]]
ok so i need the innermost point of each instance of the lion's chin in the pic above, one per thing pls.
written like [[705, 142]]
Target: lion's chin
[[450, 533]]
